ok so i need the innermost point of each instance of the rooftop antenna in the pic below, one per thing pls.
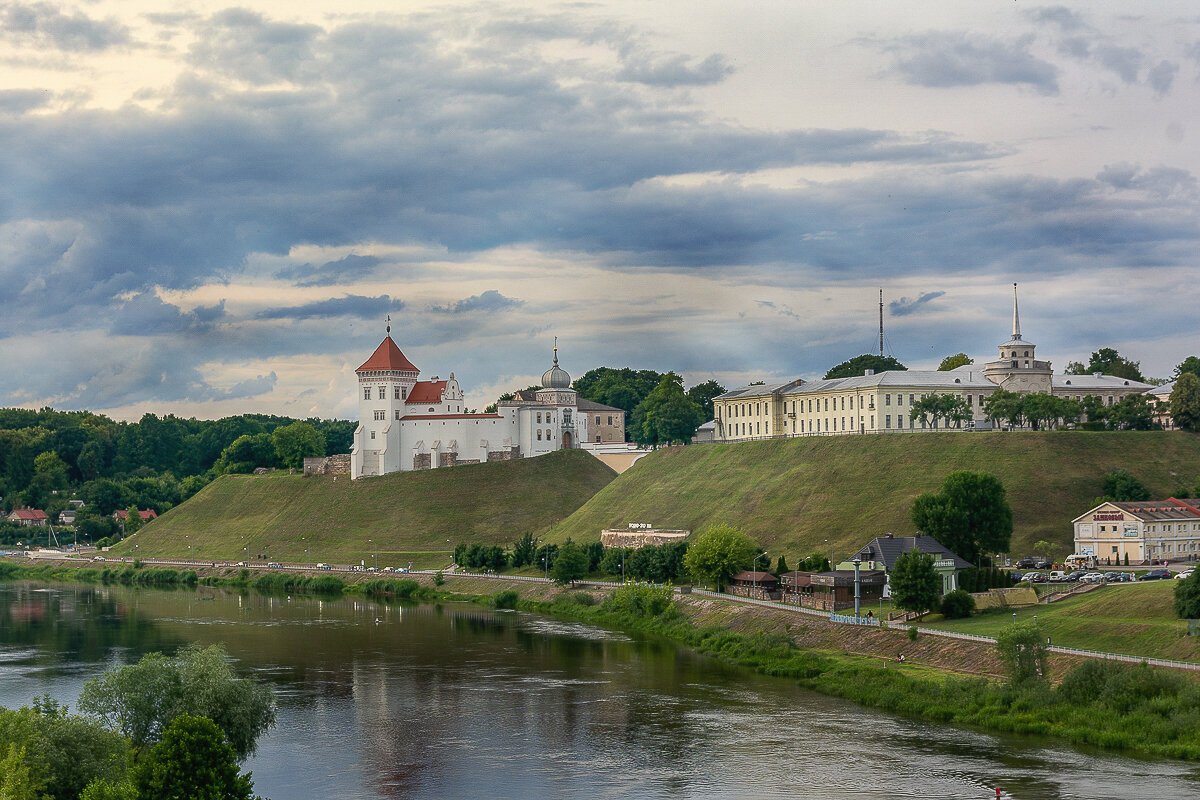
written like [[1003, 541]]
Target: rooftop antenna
[[389, 324], [881, 323]]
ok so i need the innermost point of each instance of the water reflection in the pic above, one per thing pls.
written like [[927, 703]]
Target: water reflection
[[407, 701]]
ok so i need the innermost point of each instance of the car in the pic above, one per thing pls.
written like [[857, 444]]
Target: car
[[1155, 575], [1093, 577], [1044, 563], [1035, 577], [1026, 563], [1187, 573], [1017, 577], [1077, 575], [98, 558], [1058, 576]]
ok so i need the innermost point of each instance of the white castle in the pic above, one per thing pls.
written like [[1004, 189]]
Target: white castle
[[407, 424]]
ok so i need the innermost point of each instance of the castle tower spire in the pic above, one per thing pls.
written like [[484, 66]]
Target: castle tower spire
[[1016, 318]]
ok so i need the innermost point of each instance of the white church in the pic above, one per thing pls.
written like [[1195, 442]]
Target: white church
[[408, 424]]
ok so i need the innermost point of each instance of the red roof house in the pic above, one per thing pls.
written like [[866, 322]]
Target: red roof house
[[29, 516], [146, 514]]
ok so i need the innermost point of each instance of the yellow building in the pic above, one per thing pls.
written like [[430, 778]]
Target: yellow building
[[882, 402], [1145, 531]]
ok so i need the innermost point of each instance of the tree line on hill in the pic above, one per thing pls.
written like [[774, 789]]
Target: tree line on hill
[[48, 457]]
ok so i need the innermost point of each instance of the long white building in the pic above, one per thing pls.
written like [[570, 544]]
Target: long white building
[[881, 402], [407, 424]]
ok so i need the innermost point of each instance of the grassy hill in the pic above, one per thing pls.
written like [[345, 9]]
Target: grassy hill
[[792, 495], [409, 516]]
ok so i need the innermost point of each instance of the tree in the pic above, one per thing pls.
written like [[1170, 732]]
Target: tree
[[1132, 413], [858, 365], [717, 553], [1110, 362], [16, 776], [192, 762], [1185, 401], [948, 407], [781, 566], [914, 582], [1045, 410], [142, 699], [954, 362], [247, 452], [957, 605], [1003, 405], [971, 514], [570, 565], [1187, 597], [1190, 364], [1022, 650], [1075, 368], [49, 477], [621, 388], [1120, 485], [133, 521], [522, 551], [667, 414], [63, 752], [703, 393], [293, 443]]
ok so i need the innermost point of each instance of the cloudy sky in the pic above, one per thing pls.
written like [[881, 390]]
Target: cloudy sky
[[210, 209]]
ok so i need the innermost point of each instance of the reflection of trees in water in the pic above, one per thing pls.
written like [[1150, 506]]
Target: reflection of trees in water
[[77, 624]]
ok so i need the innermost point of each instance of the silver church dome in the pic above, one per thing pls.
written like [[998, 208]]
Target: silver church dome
[[555, 377]]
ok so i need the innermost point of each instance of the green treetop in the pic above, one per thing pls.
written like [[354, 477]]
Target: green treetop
[[860, 364], [717, 553]]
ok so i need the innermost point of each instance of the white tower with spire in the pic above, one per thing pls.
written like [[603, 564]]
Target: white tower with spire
[[1018, 370]]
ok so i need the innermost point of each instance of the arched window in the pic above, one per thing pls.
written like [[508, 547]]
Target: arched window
[[539, 434]]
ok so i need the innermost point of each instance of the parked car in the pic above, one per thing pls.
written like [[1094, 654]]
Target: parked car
[[1058, 576], [1156, 575], [1027, 562], [1017, 577], [1035, 577], [1093, 577], [1044, 563], [1077, 575], [1187, 573]]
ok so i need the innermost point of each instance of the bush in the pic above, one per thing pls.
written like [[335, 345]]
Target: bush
[[505, 599], [639, 601], [957, 605], [438, 578], [912, 633], [584, 599]]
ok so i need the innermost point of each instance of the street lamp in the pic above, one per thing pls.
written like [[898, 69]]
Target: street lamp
[[755, 573], [857, 563]]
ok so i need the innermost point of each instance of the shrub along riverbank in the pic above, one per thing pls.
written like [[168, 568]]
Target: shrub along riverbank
[[1132, 708]]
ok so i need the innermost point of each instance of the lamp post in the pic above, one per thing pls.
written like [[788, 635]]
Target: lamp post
[[857, 562], [755, 573]]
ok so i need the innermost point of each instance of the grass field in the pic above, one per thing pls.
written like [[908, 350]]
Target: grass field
[[1136, 619], [800, 496], [403, 517]]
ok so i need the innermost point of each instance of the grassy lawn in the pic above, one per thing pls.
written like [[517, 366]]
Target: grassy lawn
[[1136, 619], [408, 516], [800, 496]]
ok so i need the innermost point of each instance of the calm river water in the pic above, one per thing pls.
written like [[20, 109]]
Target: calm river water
[[421, 701]]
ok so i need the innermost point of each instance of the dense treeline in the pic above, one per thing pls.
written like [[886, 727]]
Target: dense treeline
[[48, 457]]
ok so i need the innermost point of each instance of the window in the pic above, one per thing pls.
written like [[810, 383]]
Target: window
[[539, 434], [403, 392], [547, 435], [366, 393], [380, 415], [382, 392], [397, 413], [968, 399], [397, 395], [826, 403], [899, 399], [372, 434], [597, 420], [887, 400], [872, 421], [912, 398], [851, 404], [758, 427], [887, 421], [609, 419]]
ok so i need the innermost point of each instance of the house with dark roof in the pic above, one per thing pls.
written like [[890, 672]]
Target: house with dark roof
[[882, 552]]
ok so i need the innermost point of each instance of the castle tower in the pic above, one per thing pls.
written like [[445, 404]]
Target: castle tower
[[1018, 370], [385, 381]]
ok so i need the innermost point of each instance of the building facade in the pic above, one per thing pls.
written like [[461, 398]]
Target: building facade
[[1140, 532], [409, 424], [882, 402]]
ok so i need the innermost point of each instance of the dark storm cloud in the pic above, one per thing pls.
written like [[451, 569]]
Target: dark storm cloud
[[42, 24], [18, 101], [487, 302], [909, 305], [350, 269], [942, 59], [348, 306], [145, 314]]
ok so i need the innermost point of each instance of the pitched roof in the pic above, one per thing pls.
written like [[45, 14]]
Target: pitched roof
[[1096, 382], [760, 577], [583, 404], [426, 391], [888, 549], [144, 513], [1154, 510], [411, 417], [969, 378], [387, 357], [33, 514]]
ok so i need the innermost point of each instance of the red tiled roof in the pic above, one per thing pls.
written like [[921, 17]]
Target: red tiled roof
[[450, 416], [145, 514], [387, 357], [426, 391], [28, 513]]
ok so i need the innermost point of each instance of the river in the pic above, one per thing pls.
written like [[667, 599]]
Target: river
[[455, 701]]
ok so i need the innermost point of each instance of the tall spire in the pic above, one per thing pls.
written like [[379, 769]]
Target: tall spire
[[389, 324], [1016, 317], [556, 351]]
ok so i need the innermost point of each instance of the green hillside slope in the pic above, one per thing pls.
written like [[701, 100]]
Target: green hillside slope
[[409, 516], [793, 495]]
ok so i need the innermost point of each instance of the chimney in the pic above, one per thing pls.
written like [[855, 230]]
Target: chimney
[[869, 372], [1097, 374]]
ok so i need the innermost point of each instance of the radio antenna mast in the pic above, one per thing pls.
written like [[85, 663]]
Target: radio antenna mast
[[881, 323]]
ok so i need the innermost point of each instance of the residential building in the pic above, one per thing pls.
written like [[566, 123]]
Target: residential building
[[1144, 531], [146, 514], [31, 517], [882, 552]]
